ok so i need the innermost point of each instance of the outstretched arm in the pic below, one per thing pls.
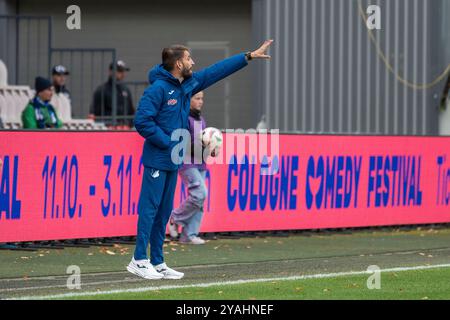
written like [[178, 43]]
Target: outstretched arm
[[224, 68]]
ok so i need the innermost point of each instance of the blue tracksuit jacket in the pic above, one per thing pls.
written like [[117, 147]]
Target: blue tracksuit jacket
[[164, 107]]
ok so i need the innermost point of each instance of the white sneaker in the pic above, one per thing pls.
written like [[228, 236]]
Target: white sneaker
[[144, 269], [197, 240], [173, 229], [193, 240], [168, 273]]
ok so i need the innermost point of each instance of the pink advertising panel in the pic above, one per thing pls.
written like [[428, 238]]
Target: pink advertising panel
[[62, 185]]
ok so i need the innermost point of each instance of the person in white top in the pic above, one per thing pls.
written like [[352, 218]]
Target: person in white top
[[61, 100]]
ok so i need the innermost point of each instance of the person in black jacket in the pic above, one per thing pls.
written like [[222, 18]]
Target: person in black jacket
[[102, 100]]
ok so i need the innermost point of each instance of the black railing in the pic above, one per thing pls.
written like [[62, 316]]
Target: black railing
[[27, 49], [88, 69]]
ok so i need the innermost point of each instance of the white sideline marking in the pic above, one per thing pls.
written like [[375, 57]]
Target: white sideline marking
[[234, 282]]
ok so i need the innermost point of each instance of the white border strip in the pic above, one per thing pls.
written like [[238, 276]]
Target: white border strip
[[234, 282]]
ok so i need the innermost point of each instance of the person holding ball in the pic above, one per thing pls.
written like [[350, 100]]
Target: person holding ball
[[190, 213]]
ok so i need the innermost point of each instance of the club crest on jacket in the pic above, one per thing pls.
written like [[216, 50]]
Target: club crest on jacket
[[172, 102]]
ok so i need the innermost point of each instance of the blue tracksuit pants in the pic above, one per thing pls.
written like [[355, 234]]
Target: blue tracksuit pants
[[154, 209]]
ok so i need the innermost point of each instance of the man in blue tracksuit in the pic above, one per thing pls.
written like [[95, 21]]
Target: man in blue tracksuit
[[164, 108]]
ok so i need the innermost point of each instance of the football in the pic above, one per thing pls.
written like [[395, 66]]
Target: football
[[213, 139]]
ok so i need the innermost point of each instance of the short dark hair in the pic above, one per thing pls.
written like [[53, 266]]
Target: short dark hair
[[171, 54]]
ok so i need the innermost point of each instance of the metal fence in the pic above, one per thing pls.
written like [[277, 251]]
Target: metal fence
[[27, 50], [88, 69], [137, 88], [25, 45]]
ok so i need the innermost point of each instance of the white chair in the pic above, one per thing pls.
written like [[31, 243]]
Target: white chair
[[2, 106], [10, 106], [3, 74], [19, 104], [62, 106]]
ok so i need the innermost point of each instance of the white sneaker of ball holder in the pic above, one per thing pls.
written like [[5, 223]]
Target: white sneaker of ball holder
[[193, 240]]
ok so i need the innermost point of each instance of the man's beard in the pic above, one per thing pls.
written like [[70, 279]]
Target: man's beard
[[186, 73]]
